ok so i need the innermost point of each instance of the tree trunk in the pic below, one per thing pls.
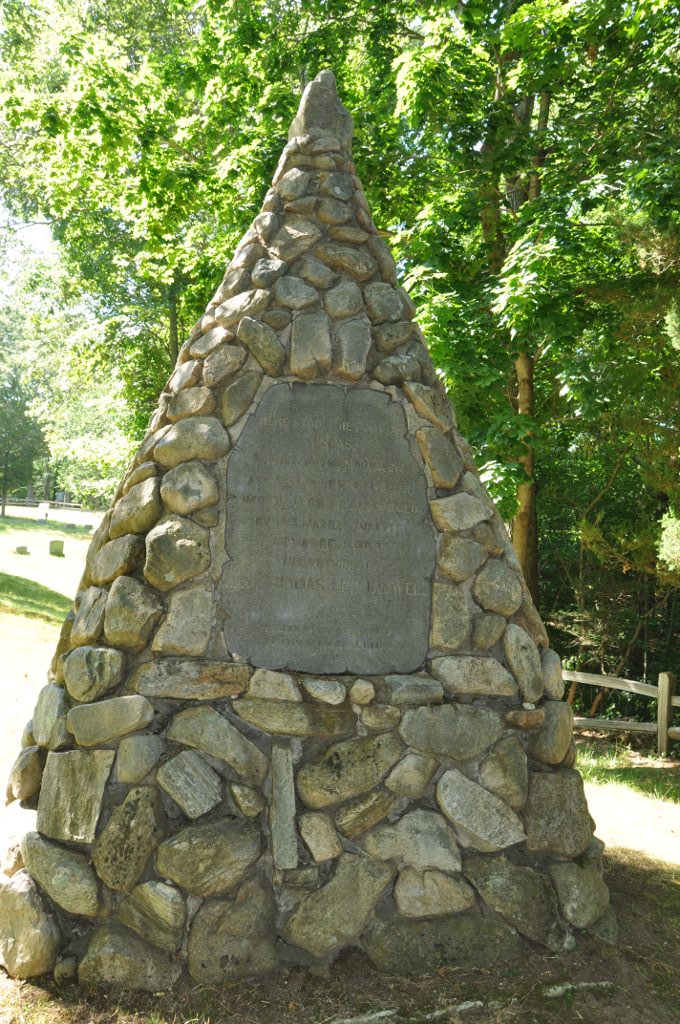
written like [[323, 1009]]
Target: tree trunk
[[172, 321], [525, 525], [5, 471]]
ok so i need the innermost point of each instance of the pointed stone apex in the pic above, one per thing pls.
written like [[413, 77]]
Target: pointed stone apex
[[321, 111]]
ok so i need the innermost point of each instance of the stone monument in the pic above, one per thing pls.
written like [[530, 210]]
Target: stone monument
[[303, 701]]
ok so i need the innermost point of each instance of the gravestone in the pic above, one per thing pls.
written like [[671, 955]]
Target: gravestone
[[303, 701]]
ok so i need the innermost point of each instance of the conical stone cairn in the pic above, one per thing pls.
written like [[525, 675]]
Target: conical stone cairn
[[304, 701]]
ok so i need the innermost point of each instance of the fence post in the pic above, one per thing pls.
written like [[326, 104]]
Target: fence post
[[664, 711]]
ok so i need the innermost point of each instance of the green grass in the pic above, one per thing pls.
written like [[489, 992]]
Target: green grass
[[9, 524], [24, 597], [646, 774]]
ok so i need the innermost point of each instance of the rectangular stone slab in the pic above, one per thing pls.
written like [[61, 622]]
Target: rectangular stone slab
[[71, 794], [328, 534]]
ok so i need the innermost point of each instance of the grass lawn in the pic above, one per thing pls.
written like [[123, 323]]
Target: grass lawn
[[58, 577], [24, 597]]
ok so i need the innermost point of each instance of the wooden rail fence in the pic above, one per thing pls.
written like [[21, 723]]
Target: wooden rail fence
[[663, 694]]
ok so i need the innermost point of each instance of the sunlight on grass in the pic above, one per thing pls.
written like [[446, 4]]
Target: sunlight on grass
[[24, 597], [620, 765], [11, 523]]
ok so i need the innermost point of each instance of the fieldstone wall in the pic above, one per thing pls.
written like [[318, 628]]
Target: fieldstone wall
[[209, 800]]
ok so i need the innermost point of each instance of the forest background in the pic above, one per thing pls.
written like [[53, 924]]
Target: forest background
[[521, 159]]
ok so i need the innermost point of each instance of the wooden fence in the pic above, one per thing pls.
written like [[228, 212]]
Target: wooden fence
[[663, 694]]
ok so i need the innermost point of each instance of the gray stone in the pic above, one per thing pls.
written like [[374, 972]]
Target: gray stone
[[248, 253], [347, 769], [354, 342], [261, 340], [498, 588], [234, 938], [474, 676], [459, 512], [381, 717], [65, 970], [205, 729], [91, 672], [337, 914], [234, 281], [238, 396], [327, 691], [191, 783], [191, 679], [310, 345], [245, 304], [295, 718], [188, 488], [293, 293], [412, 776], [265, 272], [363, 813], [550, 743], [581, 892], [187, 626], [525, 718], [137, 756], [89, 621], [319, 836], [212, 858], [487, 629], [523, 896], [94, 724], [382, 302], [71, 794], [321, 109], [132, 611], [296, 183], [49, 717], [344, 300], [317, 274], [481, 819], [504, 772], [64, 875], [606, 929], [553, 683], [176, 550], [430, 403], [282, 809], [30, 936], [524, 662], [138, 474], [453, 730], [130, 836], [390, 337], [442, 458], [273, 686], [117, 557], [266, 225], [247, 800], [347, 587], [357, 263], [26, 774], [381, 252], [362, 692], [411, 689], [337, 184], [421, 839], [185, 375], [190, 402], [333, 211], [556, 814], [201, 437], [408, 946], [295, 236], [431, 894], [157, 912], [450, 617], [118, 959], [207, 343], [223, 363], [397, 369]]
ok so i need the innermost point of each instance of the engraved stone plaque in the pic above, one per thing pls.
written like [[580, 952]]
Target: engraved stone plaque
[[331, 551]]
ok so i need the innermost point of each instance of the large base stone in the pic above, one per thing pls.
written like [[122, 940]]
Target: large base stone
[[30, 936], [116, 958]]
